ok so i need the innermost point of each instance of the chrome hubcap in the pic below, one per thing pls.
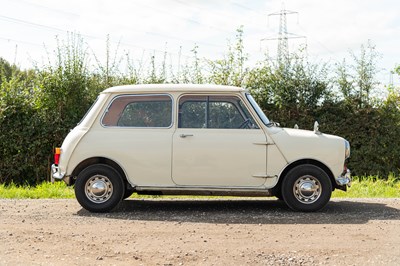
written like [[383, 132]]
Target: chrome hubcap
[[98, 189], [307, 189]]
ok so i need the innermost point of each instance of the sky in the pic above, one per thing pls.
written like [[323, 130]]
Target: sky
[[331, 29]]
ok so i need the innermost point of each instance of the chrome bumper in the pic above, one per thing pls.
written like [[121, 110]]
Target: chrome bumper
[[56, 174], [344, 179]]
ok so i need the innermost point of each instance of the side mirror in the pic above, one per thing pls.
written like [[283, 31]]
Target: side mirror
[[316, 128]]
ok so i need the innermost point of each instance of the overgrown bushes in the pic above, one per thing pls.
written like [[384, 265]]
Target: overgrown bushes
[[39, 106]]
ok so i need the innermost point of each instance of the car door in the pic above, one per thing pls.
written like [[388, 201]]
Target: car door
[[217, 143], [138, 132]]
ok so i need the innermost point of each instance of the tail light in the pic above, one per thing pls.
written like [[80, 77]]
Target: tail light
[[57, 153]]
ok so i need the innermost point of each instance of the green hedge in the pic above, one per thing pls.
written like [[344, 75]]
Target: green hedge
[[38, 107]]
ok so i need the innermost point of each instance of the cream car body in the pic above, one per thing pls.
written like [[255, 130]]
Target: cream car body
[[234, 151]]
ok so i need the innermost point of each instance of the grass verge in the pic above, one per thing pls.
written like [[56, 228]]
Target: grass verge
[[45, 190], [371, 187], [362, 187]]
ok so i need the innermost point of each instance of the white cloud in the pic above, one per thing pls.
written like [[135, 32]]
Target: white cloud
[[331, 27]]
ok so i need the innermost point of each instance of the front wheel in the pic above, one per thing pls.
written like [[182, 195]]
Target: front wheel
[[99, 188], [127, 193], [306, 188]]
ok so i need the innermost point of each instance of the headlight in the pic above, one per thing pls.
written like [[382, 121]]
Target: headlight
[[346, 149]]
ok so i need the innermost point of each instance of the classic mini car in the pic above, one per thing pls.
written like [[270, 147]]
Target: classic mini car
[[195, 140]]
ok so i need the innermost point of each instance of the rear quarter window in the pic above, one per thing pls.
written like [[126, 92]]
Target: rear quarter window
[[139, 111]]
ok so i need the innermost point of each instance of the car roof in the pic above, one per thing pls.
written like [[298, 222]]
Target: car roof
[[172, 88]]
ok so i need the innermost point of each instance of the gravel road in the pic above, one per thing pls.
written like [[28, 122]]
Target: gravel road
[[200, 232]]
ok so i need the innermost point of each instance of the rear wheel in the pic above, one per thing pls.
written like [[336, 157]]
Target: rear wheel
[[306, 188], [99, 188]]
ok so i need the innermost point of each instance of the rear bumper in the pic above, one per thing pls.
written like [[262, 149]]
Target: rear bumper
[[57, 175], [344, 179]]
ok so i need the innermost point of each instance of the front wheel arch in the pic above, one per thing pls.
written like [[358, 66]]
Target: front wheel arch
[[306, 188], [276, 190]]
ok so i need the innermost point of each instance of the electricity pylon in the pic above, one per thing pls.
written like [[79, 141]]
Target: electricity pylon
[[283, 35]]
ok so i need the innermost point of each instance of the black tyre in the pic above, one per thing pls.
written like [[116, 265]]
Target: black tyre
[[99, 188], [127, 193], [306, 188], [277, 192]]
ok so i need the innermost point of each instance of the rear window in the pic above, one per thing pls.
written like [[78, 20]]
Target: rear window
[[139, 111]]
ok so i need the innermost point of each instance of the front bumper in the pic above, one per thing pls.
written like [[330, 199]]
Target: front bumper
[[344, 179]]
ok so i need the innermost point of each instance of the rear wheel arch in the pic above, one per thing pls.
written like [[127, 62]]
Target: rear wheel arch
[[99, 160]]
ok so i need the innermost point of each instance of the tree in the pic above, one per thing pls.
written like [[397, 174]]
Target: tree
[[365, 72], [231, 69]]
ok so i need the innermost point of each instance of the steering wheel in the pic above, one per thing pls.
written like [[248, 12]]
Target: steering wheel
[[245, 123]]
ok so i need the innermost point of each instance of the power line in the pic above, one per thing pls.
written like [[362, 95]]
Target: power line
[[213, 11], [54, 29], [60, 11], [58, 30], [247, 8], [19, 41], [193, 21], [6, 39], [316, 40], [24, 22]]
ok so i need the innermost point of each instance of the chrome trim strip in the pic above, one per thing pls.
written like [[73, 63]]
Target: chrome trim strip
[[195, 188], [265, 176], [263, 143]]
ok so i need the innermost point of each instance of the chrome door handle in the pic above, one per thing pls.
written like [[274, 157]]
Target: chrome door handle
[[185, 135]]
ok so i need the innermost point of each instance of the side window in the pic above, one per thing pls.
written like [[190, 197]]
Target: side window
[[224, 115], [139, 111], [226, 112], [192, 114]]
